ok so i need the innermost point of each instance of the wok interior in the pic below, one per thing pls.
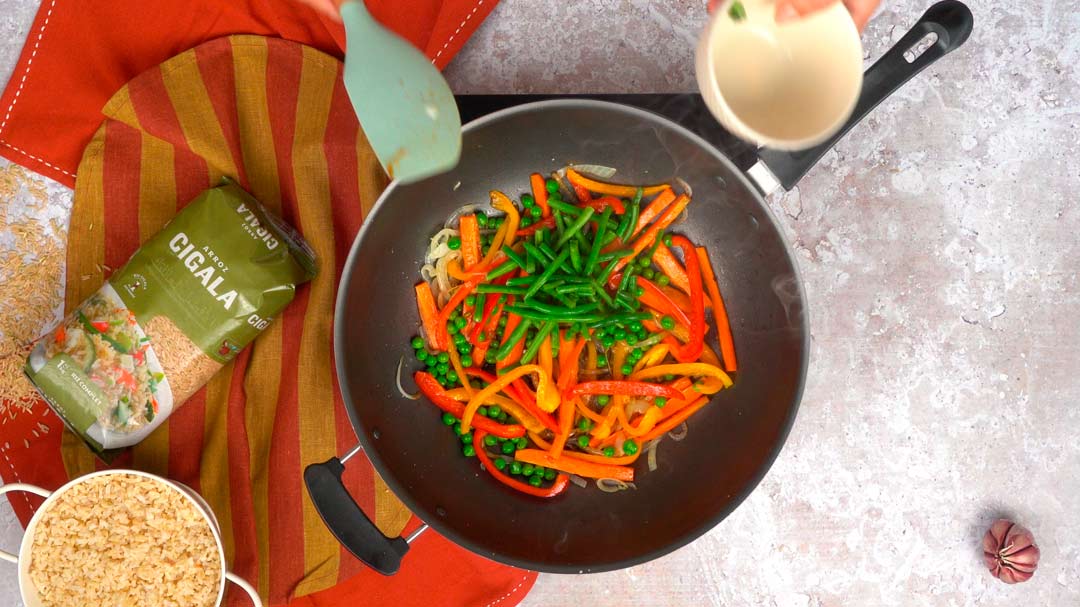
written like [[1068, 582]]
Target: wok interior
[[731, 442]]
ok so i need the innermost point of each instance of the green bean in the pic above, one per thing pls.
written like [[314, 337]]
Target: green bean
[[544, 316], [516, 336], [576, 226], [598, 289], [521, 281], [534, 347], [556, 310], [503, 268], [594, 251], [514, 256], [486, 288], [547, 273], [628, 231], [554, 344], [575, 257], [615, 254], [577, 289]]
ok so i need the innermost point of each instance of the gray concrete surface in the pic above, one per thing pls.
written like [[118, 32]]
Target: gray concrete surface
[[938, 245]]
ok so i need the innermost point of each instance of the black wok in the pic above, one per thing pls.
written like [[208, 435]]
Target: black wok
[[731, 442]]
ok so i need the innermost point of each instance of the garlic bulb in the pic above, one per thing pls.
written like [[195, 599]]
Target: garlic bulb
[[1010, 552]]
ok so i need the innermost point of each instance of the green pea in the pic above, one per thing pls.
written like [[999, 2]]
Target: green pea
[[466, 360], [601, 361], [454, 243], [432, 365], [602, 399], [644, 262], [457, 428], [527, 200], [503, 417], [631, 339], [482, 411], [627, 369], [660, 401], [549, 475], [663, 280], [527, 469], [452, 328], [585, 424], [521, 442], [417, 342], [442, 381], [461, 322], [620, 334], [648, 273], [667, 322], [552, 186], [667, 239], [451, 375], [449, 419], [508, 447], [583, 441], [636, 354], [482, 220], [467, 438], [609, 451], [421, 355], [526, 221], [470, 300], [669, 377], [636, 326], [443, 357], [494, 410], [463, 349], [536, 212], [515, 467], [535, 481], [607, 341], [489, 356], [502, 320], [500, 464], [468, 451], [443, 368], [639, 291], [629, 447]]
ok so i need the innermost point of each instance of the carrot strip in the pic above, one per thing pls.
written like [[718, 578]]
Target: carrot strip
[[653, 209], [470, 240], [545, 356], [671, 267], [539, 189], [675, 420], [622, 191], [574, 466], [587, 457], [648, 237], [723, 328], [429, 314]]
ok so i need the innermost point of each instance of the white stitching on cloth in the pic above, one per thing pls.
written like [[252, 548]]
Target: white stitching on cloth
[[29, 64], [512, 590], [3, 451], [41, 160], [448, 41]]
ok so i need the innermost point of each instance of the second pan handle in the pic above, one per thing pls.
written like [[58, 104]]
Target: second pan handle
[[950, 21]]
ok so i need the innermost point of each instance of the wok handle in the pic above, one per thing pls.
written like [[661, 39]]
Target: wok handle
[[347, 521], [950, 20]]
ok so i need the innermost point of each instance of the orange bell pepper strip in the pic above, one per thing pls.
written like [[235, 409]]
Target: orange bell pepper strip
[[603, 430], [622, 191], [429, 314], [691, 351], [512, 408], [652, 356], [560, 484], [656, 299], [544, 358], [444, 315], [547, 395], [624, 460], [648, 421], [648, 237], [502, 203], [723, 328], [668, 424], [566, 424], [688, 369], [653, 210], [437, 395], [470, 240], [588, 412], [570, 465], [526, 403], [455, 362], [671, 267], [540, 194]]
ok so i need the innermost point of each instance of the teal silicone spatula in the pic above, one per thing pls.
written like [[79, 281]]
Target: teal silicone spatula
[[403, 102]]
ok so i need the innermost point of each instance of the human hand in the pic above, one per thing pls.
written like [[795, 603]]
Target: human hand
[[788, 10]]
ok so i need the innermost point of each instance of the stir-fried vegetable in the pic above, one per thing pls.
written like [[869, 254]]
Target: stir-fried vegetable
[[560, 350]]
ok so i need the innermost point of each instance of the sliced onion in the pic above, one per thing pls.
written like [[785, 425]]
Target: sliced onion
[[679, 181], [442, 276], [636, 406], [679, 432], [438, 246], [591, 170], [565, 190], [652, 454], [400, 364], [613, 485], [577, 480], [650, 341]]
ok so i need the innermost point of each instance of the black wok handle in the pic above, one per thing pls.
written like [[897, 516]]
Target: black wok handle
[[950, 20], [347, 521]]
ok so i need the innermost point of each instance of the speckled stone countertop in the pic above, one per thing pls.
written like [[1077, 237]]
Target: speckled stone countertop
[[938, 244]]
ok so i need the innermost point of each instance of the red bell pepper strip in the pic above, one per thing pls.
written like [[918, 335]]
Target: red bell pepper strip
[[429, 314], [100, 325], [628, 388], [723, 328], [691, 351], [607, 201], [656, 299], [648, 237], [671, 267], [546, 222], [539, 188], [444, 315], [557, 487], [515, 394], [653, 209], [470, 240], [435, 393], [582, 194]]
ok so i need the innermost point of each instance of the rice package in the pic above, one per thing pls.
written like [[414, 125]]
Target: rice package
[[184, 305]]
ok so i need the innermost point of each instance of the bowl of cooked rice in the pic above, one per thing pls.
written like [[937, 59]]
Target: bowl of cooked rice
[[122, 537]]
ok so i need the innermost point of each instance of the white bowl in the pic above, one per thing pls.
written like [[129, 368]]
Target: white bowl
[[787, 86], [26, 585]]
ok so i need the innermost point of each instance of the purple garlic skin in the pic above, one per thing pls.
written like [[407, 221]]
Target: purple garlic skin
[[1010, 552]]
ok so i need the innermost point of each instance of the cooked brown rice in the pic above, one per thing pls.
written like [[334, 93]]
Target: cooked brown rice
[[187, 368], [124, 540]]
